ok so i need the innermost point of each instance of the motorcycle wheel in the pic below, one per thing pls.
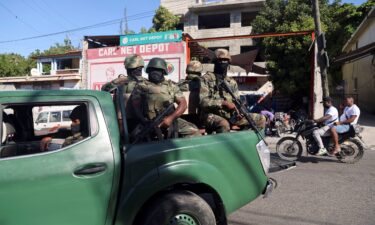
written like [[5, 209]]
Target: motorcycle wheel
[[351, 151], [289, 148]]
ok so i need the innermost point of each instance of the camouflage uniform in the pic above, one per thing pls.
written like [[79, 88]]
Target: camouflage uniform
[[129, 82], [192, 84], [73, 139], [155, 99], [214, 116]]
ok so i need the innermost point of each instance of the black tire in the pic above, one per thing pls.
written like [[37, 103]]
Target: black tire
[[178, 206], [352, 151], [287, 150]]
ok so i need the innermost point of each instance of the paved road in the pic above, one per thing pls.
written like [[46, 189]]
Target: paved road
[[317, 191]]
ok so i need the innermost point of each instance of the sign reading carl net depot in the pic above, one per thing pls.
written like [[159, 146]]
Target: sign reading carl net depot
[[106, 64], [151, 38]]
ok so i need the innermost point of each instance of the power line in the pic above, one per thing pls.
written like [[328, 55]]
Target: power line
[[110, 22], [58, 13], [106, 23], [18, 18]]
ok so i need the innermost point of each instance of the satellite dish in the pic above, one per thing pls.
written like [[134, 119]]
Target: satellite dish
[[34, 72]]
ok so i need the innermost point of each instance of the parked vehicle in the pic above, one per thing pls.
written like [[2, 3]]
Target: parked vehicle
[[280, 124], [290, 148], [50, 119], [104, 179]]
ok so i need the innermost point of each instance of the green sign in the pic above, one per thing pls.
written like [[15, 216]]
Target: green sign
[[151, 38]]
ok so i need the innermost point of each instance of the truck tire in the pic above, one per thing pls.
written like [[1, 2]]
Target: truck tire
[[176, 208]]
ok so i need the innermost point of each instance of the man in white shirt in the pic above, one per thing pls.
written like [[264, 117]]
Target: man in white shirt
[[330, 116], [349, 117]]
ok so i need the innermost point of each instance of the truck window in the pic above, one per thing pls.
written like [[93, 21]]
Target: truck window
[[55, 117], [42, 117], [66, 115], [27, 129]]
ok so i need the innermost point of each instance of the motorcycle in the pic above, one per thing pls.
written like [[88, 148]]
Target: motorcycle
[[352, 146], [279, 125]]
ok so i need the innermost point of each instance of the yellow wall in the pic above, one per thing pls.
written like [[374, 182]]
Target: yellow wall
[[363, 70]]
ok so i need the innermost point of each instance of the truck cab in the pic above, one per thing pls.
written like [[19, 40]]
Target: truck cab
[[105, 179]]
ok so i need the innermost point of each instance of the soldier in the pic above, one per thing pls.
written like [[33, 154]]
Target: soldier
[[153, 97], [192, 83], [218, 110], [134, 65], [78, 129]]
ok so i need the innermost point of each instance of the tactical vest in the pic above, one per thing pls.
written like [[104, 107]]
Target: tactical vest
[[157, 97], [218, 93]]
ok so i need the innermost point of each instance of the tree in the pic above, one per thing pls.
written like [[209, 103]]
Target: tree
[[13, 65], [143, 30], [288, 59], [164, 20]]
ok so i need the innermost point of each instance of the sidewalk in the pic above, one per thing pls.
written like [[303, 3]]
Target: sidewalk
[[368, 122]]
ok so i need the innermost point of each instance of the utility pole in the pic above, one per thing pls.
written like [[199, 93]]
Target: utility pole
[[322, 54], [126, 21]]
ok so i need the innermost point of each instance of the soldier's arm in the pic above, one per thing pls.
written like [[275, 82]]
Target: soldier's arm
[[136, 103], [182, 106], [181, 102], [235, 90]]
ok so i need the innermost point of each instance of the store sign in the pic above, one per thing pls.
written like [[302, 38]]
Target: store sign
[[106, 64], [151, 38]]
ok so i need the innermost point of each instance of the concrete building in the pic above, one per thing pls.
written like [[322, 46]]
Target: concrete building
[[53, 72], [210, 19], [359, 64]]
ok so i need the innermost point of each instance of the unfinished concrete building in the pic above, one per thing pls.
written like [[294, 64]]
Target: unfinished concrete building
[[210, 19]]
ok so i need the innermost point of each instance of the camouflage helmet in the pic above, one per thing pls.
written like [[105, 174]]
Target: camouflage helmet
[[157, 63], [222, 53], [134, 61], [194, 67]]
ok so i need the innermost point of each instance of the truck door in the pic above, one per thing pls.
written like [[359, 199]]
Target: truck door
[[70, 185]]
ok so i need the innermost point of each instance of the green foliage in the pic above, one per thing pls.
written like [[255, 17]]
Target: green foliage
[[288, 59], [164, 20], [143, 30], [129, 32], [13, 65]]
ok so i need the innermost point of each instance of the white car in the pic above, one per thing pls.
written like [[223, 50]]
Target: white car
[[51, 119]]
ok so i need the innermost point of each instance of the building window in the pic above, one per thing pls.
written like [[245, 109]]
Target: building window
[[214, 21], [247, 18], [248, 48]]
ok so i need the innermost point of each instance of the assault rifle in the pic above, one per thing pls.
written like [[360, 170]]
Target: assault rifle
[[241, 108], [154, 124]]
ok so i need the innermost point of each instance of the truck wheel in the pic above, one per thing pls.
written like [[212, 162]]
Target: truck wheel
[[178, 208]]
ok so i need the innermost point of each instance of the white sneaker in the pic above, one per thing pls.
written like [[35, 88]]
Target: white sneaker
[[322, 151]]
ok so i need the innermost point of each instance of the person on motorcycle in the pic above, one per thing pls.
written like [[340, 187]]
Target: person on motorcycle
[[330, 117], [349, 117]]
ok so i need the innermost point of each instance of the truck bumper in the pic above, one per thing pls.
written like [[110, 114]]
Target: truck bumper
[[269, 188]]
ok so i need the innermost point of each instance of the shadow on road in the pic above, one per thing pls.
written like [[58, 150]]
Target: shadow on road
[[278, 219]]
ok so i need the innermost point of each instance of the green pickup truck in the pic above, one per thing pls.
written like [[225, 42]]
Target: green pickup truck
[[104, 179]]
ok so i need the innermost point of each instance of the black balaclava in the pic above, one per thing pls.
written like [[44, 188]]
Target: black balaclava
[[156, 76], [80, 113], [136, 72], [221, 68]]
